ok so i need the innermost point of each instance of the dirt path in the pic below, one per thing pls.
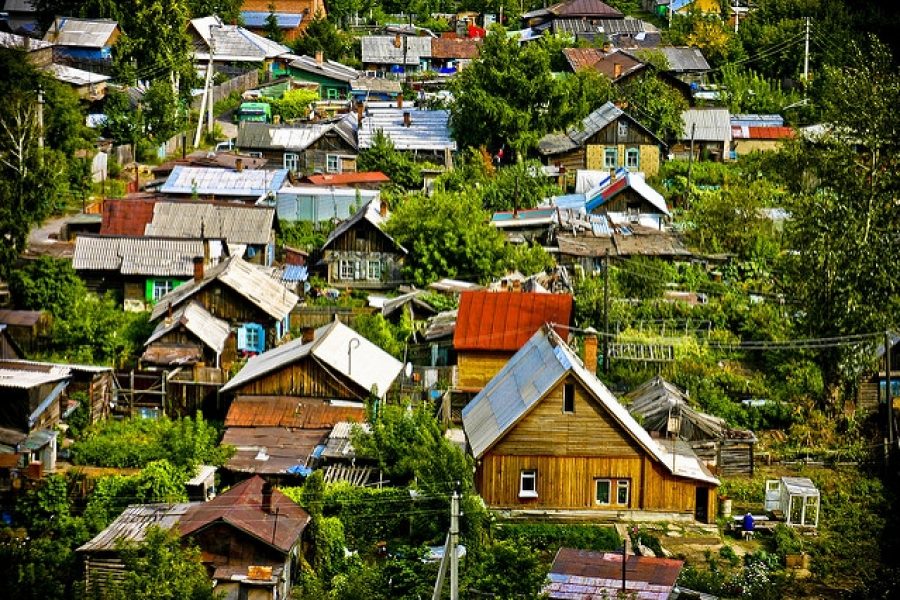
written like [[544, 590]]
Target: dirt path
[[44, 240]]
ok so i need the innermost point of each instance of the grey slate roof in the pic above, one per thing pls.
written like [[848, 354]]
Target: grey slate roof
[[231, 43], [381, 49], [132, 525], [524, 381], [143, 256], [555, 143], [367, 365], [712, 124], [428, 130], [81, 33], [211, 331], [327, 68], [73, 76], [209, 181], [371, 213], [266, 136], [23, 6], [235, 223], [684, 59], [249, 281]]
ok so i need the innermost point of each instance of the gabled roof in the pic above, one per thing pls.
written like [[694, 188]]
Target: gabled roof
[[192, 316], [292, 412], [249, 281], [231, 43], [577, 8], [505, 321], [327, 68], [599, 575], [455, 48], [366, 364], [81, 33], [242, 508], [382, 49], [607, 114], [428, 130], [371, 213], [710, 124], [684, 59], [257, 19], [635, 183], [143, 256], [132, 525], [524, 381], [235, 223], [208, 181], [267, 136], [605, 63], [357, 178]]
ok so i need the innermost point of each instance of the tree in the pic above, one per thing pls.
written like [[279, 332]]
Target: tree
[[655, 104], [162, 117], [272, 29], [322, 35], [382, 156], [46, 284], [294, 104], [123, 122]]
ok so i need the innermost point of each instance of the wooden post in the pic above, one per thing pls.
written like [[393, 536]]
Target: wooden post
[[889, 401], [606, 313]]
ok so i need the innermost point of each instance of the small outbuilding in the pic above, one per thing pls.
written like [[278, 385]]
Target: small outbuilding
[[797, 499]]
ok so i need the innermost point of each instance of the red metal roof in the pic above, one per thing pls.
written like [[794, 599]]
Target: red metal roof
[[608, 565], [241, 507], [289, 411], [465, 48], [752, 132], [504, 321], [347, 178], [127, 216]]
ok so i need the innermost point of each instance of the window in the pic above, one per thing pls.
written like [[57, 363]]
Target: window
[[528, 484], [332, 93], [622, 491], [569, 398], [161, 287], [347, 269], [602, 487], [291, 161], [623, 128], [251, 338], [332, 163], [374, 269], [610, 158], [632, 158]]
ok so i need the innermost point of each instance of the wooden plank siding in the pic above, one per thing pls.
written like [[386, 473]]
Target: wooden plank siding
[[627, 200], [223, 302], [305, 378], [477, 368]]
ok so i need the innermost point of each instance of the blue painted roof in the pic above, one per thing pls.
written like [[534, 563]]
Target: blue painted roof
[[257, 19], [569, 201], [294, 273]]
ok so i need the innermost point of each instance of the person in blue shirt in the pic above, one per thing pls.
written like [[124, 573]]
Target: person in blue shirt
[[747, 525]]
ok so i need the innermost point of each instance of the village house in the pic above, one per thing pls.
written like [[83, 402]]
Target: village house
[[707, 131], [758, 133], [38, 52], [203, 158], [310, 9], [395, 53], [87, 85], [141, 270], [616, 65], [492, 326], [333, 78], [245, 296], [423, 134], [232, 48], [685, 63], [591, 11], [189, 336], [323, 147], [21, 17], [607, 139], [289, 24], [252, 186], [359, 254], [450, 54], [548, 436], [83, 41], [628, 198], [250, 538]]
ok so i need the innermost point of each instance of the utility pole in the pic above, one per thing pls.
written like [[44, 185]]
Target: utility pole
[[737, 16], [207, 95], [211, 73], [606, 313], [889, 401], [454, 542], [687, 198], [806, 54]]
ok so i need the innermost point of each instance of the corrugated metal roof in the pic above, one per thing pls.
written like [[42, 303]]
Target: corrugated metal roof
[[376, 84], [505, 321], [271, 450], [208, 329], [266, 136], [242, 508], [132, 524], [149, 256], [327, 68], [756, 120], [594, 122], [744, 132], [291, 411], [22, 6], [249, 281], [40, 365], [14, 41], [82, 33], [25, 379], [232, 43], [370, 212], [524, 381], [235, 223], [362, 362], [381, 49], [712, 124], [584, 8], [684, 59], [428, 130], [577, 574], [208, 181], [455, 48], [605, 63], [257, 19], [73, 76]]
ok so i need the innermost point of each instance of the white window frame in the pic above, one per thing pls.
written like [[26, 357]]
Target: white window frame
[[291, 161], [332, 163], [373, 270], [528, 483], [636, 155], [161, 287], [623, 485], [610, 153], [622, 128], [347, 270], [609, 487]]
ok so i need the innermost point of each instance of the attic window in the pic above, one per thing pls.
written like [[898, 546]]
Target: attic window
[[569, 398], [528, 484], [623, 128]]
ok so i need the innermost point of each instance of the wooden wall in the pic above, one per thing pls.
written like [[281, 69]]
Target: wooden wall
[[477, 368], [227, 305], [180, 336], [303, 378]]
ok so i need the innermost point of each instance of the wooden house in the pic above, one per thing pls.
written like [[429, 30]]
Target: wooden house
[[83, 40], [492, 326], [255, 306], [324, 147], [9, 349], [141, 270], [27, 327], [585, 10], [333, 78], [629, 198], [332, 362], [607, 139], [187, 337], [359, 254], [710, 130], [616, 65], [548, 436], [250, 540], [664, 409]]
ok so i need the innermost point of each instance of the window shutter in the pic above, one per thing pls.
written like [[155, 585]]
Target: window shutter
[[260, 338], [242, 338], [148, 289]]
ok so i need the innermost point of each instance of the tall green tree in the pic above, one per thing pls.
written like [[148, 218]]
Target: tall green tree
[[381, 156], [272, 30]]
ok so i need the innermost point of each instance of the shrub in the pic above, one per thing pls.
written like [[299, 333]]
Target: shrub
[[547, 537]]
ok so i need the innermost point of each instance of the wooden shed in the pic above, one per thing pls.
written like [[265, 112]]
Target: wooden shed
[[665, 409], [548, 436]]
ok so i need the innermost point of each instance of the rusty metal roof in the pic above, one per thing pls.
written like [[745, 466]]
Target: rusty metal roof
[[455, 48], [578, 574], [271, 450], [26, 318], [290, 411], [241, 507], [504, 321], [127, 216]]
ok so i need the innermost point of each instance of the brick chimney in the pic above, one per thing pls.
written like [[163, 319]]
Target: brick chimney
[[198, 269], [590, 350], [360, 111], [319, 57], [267, 497], [308, 335], [617, 70], [407, 118], [239, 164], [383, 209], [400, 101], [516, 285]]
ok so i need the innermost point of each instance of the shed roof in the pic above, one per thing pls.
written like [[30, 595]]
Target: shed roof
[[235, 223], [712, 124], [529, 375], [28, 378], [382, 49], [358, 178], [291, 411], [455, 48], [81, 33], [635, 183], [209, 181], [327, 68], [24, 6], [800, 486], [578, 8], [246, 280], [272, 450], [605, 63], [127, 216], [27, 318], [15, 41], [192, 316], [73, 76], [685, 59], [144, 256], [242, 508], [132, 525], [365, 364], [745, 132], [370, 212], [232, 43], [505, 321], [588, 574], [428, 130]]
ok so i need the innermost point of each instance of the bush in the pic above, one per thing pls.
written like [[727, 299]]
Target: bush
[[548, 537]]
